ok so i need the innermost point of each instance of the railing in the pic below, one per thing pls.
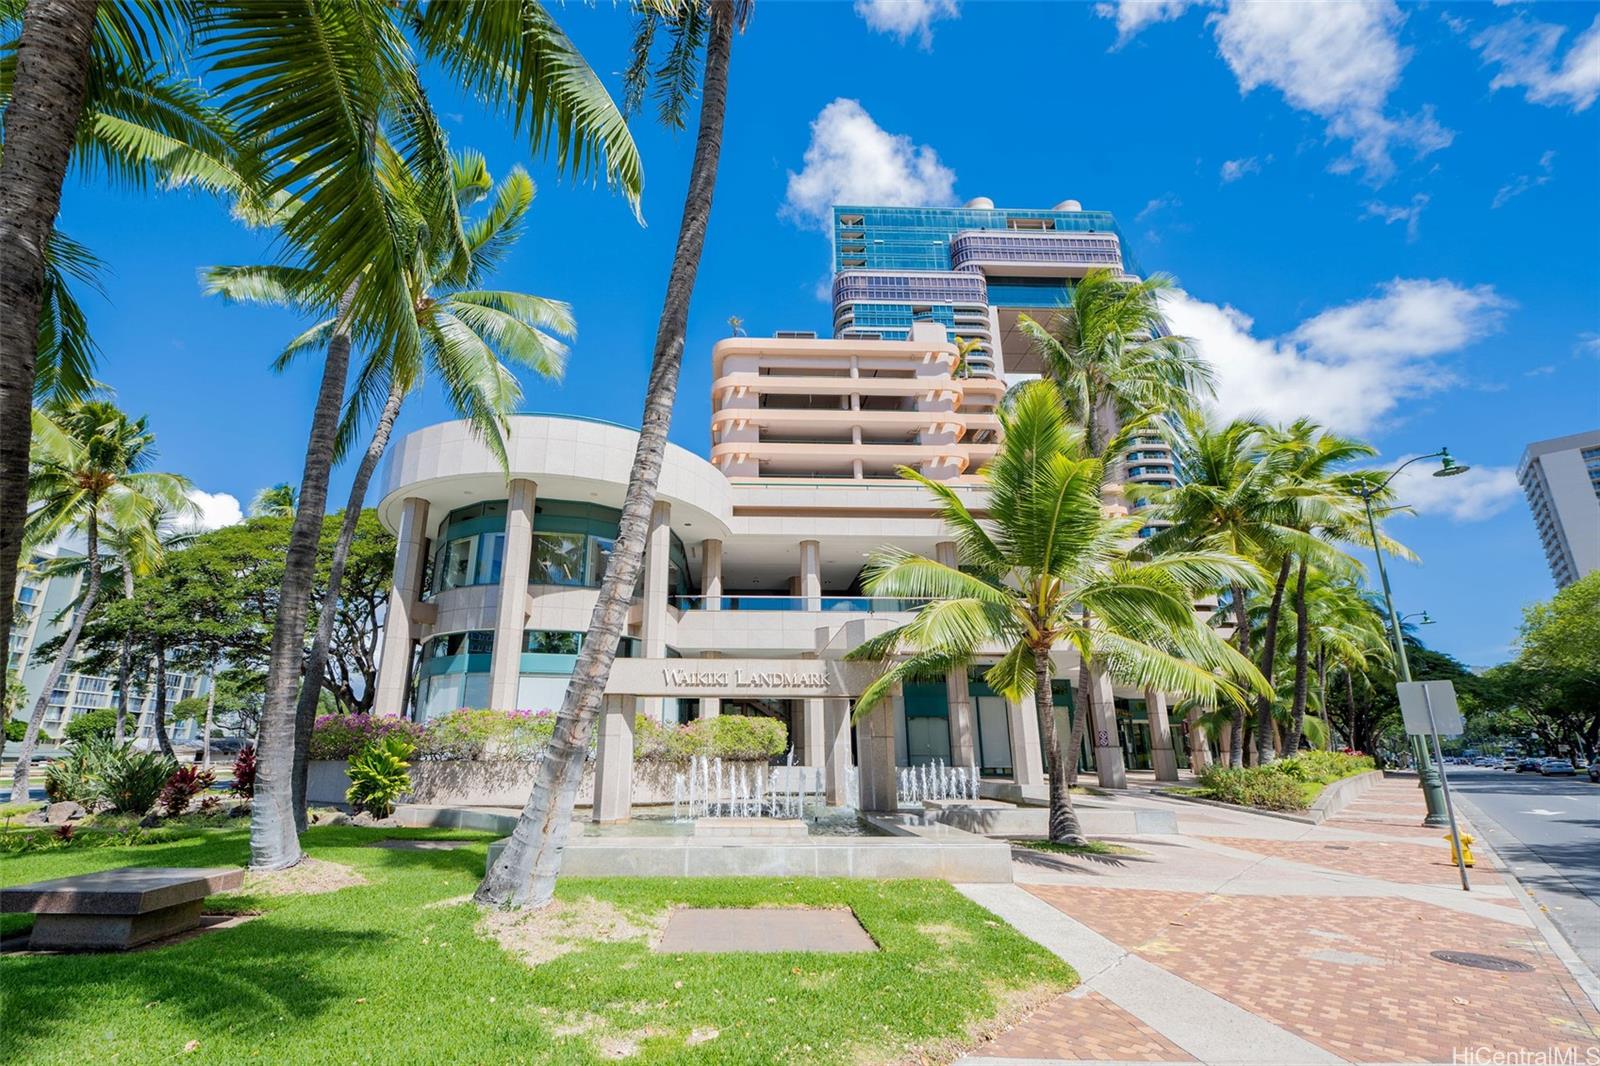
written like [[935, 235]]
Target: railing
[[855, 604]]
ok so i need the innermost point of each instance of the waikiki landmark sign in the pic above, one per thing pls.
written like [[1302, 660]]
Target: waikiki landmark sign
[[771, 678]]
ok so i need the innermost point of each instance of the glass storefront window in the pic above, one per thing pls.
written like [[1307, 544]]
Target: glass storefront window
[[600, 549], [551, 641], [459, 563], [558, 559], [491, 550]]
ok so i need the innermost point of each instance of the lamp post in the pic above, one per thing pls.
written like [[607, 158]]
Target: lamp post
[[1427, 772]]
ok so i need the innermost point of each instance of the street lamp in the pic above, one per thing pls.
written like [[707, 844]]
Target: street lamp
[[1427, 772]]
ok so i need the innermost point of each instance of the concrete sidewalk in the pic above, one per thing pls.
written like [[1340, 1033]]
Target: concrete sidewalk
[[1249, 939]]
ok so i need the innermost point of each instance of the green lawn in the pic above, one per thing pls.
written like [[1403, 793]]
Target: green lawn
[[375, 974]]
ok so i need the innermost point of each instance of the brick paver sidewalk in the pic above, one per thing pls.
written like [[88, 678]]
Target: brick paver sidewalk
[[1327, 934]]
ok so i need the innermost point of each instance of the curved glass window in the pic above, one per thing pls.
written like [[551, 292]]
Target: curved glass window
[[572, 543]]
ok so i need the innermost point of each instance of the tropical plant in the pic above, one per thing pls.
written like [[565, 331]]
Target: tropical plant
[[88, 470], [526, 871], [361, 116], [1050, 570], [185, 783], [340, 736], [1228, 497], [1119, 369], [469, 334], [379, 775], [16, 729], [965, 346], [274, 501], [1109, 352], [244, 772], [90, 84], [130, 781], [72, 776], [100, 722]]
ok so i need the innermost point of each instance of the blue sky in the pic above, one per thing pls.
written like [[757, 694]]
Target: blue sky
[[1382, 217]]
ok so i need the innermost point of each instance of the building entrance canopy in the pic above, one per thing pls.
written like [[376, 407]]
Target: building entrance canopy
[[732, 678]]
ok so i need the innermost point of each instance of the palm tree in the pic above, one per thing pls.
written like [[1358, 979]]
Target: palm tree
[[359, 102], [274, 501], [1118, 368], [526, 870], [88, 471], [1111, 355], [467, 331], [1049, 558], [964, 348], [86, 86], [1229, 498]]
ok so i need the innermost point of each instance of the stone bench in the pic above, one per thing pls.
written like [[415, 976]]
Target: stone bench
[[114, 910]]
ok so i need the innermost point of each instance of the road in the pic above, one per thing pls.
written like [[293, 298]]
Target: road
[[1548, 830]]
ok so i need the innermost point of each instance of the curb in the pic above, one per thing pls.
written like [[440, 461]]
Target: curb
[[1585, 977]]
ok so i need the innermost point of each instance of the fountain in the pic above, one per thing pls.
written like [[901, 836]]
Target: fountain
[[936, 781], [705, 790]]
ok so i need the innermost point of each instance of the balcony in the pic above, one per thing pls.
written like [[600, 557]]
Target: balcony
[[850, 604], [1035, 254]]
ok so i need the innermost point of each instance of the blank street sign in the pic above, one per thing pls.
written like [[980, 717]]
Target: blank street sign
[[1414, 708]]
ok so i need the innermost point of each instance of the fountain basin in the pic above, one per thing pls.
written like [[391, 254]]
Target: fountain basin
[[750, 827]]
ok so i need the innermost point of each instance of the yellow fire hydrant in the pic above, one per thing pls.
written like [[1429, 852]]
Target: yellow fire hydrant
[[1466, 850]]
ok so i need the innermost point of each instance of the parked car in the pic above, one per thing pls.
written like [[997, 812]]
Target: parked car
[[1509, 762], [1529, 764], [1594, 772], [1554, 767], [1486, 760]]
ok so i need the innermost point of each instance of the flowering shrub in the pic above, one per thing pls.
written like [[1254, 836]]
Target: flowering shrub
[[339, 736], [482, 734], [729, 736], [476, 734]]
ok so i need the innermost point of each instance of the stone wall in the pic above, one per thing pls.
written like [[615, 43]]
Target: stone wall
[[494, 782]]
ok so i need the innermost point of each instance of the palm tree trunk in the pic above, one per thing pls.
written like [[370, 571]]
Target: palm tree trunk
[[1199, 751], [124, 661], [274, 844], [527, 868], [19, 777], [305, 712], [163, 741], [1269, 650], [1080, 722], [211, 705], [1302, 663], [1241, 634], [41, 122], [1064, 826]]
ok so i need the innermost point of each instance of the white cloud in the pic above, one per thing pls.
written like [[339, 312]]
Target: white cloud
[[1410, 214], [214, 510], [853, 160], [1523, 182], [1339, 61], [1159, 204], [1234, 169], [1482, 492], [1134, 15], [907, 18], [1525, 52], [1350, 367]]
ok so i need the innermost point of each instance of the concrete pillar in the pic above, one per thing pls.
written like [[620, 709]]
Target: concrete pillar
[[653, 630], [710, 706], [875, 748], [836, 756], [814, 732], [711, 574], [811, 574], [511, 617], [1027, 756], [410, 556], [1108, 762], [1162, 756], [613, 768], [1199, 750]]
